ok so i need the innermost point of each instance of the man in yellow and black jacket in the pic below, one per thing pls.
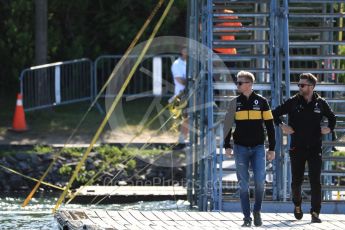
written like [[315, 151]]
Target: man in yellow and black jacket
[[251, 112]]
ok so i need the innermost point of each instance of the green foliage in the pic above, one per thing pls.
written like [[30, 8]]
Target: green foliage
[[73, 152], [339, 154], [131, 164], [65, 170], [109, 151], [84, 176], [40, 149], [112, 158], [339, 164], [78, 28], [17, 39]]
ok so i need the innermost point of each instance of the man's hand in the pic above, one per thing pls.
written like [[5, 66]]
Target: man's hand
[[286, 129], [229, 152], [325, 130], [270, 155]]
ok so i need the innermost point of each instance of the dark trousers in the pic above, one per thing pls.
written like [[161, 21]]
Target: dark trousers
[[298, 158]]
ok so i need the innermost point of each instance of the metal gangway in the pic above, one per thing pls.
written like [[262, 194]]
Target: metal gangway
[[277, 40]]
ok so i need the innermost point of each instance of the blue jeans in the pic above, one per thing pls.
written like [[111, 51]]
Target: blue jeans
[[257, 158]]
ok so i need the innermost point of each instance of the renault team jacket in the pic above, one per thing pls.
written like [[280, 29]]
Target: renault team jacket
[[250, 116], [305, 119]]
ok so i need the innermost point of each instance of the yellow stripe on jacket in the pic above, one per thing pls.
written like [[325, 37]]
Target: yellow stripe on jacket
[[248, 115], [267, 115]]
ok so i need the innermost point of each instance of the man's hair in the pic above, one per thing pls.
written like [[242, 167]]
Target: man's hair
[[247, 75], [309, 77]]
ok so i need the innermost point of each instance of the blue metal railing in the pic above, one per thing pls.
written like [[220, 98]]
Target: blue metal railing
[[57, 83], [142, 82], [79, 80]]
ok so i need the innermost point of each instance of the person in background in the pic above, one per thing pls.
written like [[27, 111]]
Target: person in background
[[179, 71]]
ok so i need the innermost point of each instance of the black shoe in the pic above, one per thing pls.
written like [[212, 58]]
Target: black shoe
[[298, 212], [247, 222], [315, 218], [257, 219]]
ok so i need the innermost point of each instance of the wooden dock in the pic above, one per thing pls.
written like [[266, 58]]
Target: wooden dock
[[105, 219], [126, 194]]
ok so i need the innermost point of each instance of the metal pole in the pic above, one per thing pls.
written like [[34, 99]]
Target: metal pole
[[287, 83], [210, 134]]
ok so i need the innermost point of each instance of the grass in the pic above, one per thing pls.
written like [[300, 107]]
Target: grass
[[62, 120]]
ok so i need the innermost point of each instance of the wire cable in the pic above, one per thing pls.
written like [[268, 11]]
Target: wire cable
[[112, 75]]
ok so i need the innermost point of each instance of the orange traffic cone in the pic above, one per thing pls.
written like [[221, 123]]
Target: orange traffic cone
[[19, 122]]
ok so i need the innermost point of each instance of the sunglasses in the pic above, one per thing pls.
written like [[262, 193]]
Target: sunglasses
[[241, 82], [302, 85]]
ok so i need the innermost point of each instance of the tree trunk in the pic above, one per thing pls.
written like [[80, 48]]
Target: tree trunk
[[41, 46], [41, 27]]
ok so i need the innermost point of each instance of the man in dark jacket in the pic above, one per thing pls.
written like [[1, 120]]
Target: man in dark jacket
[[251, 111], [306, 111]]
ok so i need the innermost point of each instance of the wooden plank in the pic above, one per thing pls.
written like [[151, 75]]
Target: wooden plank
[[195, 223], [233, 224], [106, 218], [184, 216], [64, 219], [133, 227], [218, 216], [207, 216], [138, 215], [220, 224], [336, 217], [196, 216], [206, 223], [161, 216], [95, 219], [305, 224], [329, 225], [118, 218], [285, 219], [233, 216], [150, 216], [274, 218], [160, 225], [338, 224], [173, 220], [275, 224], [130, 219], [173, 215], [319, 226], [132, 190], [84, 219]]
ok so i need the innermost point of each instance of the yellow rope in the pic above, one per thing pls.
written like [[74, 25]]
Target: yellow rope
[[107, 163], [117, 67], [176, 105], [102, 170], [30, 178], [114, 104]]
